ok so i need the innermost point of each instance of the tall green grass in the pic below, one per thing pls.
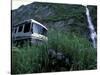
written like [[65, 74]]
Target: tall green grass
[[34, 59], [29, 59], [79, 49]]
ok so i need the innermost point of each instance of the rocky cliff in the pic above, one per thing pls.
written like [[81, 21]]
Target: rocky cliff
[[62, 17]]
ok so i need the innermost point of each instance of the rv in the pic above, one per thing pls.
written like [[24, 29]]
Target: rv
[[29, 30]]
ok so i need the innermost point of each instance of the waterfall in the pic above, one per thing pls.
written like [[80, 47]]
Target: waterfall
[[93, 34]]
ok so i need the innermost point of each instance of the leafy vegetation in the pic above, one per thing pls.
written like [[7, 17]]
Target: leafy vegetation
[[35, 59]]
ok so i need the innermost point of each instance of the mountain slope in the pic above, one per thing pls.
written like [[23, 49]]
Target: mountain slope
[[62, 17]]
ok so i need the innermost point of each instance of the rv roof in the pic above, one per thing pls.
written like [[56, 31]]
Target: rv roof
[[34, 21], [38, 23]]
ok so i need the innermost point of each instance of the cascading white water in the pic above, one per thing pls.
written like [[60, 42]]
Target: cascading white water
[[93, 34]]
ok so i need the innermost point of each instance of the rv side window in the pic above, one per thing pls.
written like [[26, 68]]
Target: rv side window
[[27, 27], [20, 28]]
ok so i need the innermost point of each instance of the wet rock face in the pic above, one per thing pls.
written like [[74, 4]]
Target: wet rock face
[[51, 53], [59, 56], [58, 60]]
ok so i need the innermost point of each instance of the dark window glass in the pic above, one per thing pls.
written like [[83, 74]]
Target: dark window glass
[[27, 27], [44, 32], [15, 30], [20, 28]]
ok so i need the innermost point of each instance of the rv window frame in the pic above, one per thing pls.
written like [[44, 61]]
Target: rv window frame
[[15, 30], [31, 27]]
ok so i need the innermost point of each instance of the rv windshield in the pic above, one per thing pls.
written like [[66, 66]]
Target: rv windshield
[[39, 29]]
